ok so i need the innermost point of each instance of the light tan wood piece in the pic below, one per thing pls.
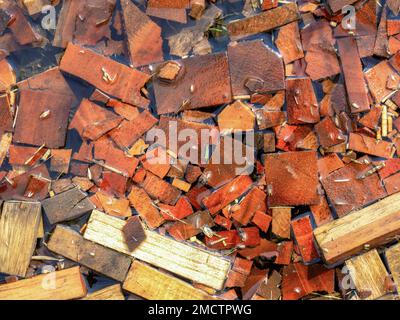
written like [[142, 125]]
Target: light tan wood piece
[[109, 293], [281, 222], [66, 284], [152, 284], [393, 260], [368, 274], [182, 259], [374, 225], [19, 224], [70, 244]]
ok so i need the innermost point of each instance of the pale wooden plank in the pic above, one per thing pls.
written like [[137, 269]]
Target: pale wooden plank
[[152, 284], [182, 259], [368, 274], [374, 225], [19, 224], [61, 285], [70, 244], [113, 292], [393, 260]]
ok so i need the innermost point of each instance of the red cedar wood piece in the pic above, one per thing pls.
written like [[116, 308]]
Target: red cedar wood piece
[[269, 4], [391, 166], [262, 220], [181, 210], [128, 132], [231, 240], [254, 201], [60, 159], [352, 69], [300, 280], [66, 23], [160, 189], [237, 276], [22, 155], [143, 35], [172, 14], [281, 222], [142, 203], [191, 226], [371, 146], [392, 183], [114, 183], [347, 192], [328, 134], [285, 250], [337, 5], [321, 58], [203, 81], [105, 74], [105, 150], [92, 121], [321, 211], [294, 171], [70, 244], [254, 60], [264, 21], [381, 41], [289, 43], [69, 284], [266, 248], [393, 27], [118, 207], [6, 119], [328, 164], [372, 119], [220, 198], [303, 233], [51, 131], [373, 225], [168, 3], [302, 104], [378, 78]]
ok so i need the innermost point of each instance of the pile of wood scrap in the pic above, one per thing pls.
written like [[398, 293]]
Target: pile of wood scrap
[[186, 150]]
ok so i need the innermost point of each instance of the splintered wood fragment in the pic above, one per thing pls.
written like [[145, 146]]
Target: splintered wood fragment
[[392, 255], [368, 274], [254, 68], [254, 201], [237, 116], [197, 8], [66, 284], [337, 5], [150, 283], [70, 244], [303, 233], [294, 171], [289, 43], [373, 226], [204, 82], [31, 129], [354, 79], [321, 212], [264, 21], [133, 232], [378, 78], [67, 206], [6, 118], [105, 74], [163, 252], [60, 159], [66, 23], [302, 104], [144, 36], [368, 145], [160, 189], [191, 226], [381, 41], [281, 222], [19, 223], [113, 292], [5, 143]]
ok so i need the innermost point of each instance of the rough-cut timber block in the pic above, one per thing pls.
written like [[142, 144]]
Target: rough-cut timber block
[[368, 274], [19, 224], [203, 81], [393, 259], [70, 244], [264, 21], [374, 225], [105, 74], [152, 284], [294, 171], [66, 284], [67, 206], [184, 260], [113, 292]]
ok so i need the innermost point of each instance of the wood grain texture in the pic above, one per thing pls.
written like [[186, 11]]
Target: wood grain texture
[[19, 224], [368, 274], [152, 284], [393, 261], [70, 244], [113, 292], [374, 225], [281, 222], [66, 284], [184, 260]]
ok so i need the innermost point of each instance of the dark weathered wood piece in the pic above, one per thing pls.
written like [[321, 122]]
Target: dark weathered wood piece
[[67, 206], [70, 244]]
